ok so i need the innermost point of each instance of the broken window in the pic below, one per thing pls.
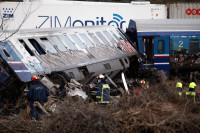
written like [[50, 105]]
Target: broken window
[[87, 41], [37, 46], [161, 45], [94, 38], [26, 47], [78, 41], [112, 40], [194, 46], [48, 45], [102, 38], [69, 43], [58, 43]]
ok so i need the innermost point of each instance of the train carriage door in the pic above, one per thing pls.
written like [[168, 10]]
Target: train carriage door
[[161, 53], [148, 44]]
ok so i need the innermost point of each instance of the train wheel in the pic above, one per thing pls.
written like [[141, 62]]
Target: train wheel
[[58, 79]]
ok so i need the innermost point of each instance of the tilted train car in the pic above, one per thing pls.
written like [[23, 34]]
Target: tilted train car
[[171, 45], [81, 53]]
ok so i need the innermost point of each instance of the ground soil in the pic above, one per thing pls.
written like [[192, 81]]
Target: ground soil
[[158, 109]]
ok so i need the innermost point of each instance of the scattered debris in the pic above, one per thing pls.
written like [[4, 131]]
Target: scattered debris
[[42, 108], [157, 109]]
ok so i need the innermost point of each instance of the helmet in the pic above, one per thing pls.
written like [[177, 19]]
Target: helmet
[[192, 85], [100, 76], [34, 78], [142, 82], [179, 84]]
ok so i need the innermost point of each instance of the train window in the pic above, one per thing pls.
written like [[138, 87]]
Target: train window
[[107, 66], [161, 45], [6, 53], [48, 45], [194, 46], [94, 38], [110, 37], [117, 38], [15, 50], [58, 43], [122, 36], [78, 41], [86, 39], [102, 38], [26, 47], [71, 74], [69, 42], [37, 46]]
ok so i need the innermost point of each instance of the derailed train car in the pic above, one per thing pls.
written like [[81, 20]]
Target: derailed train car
[[81, 53]]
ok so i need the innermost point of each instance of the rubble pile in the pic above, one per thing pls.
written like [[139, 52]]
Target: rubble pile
[[157, 109], [72, 115]]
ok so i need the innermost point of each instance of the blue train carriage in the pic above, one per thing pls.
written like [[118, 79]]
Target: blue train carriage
[[169, 45], [81, 53]]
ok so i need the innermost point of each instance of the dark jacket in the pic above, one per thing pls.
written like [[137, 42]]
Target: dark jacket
[[103, 92], [138, 90], [37, 92]]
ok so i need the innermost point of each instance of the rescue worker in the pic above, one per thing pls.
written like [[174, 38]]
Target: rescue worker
[[37, 93], [103, 91], [140, 88], [179, 86], [192, 93]]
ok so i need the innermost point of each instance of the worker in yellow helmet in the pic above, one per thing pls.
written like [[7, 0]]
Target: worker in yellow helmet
[[179, 86], [192, 93]]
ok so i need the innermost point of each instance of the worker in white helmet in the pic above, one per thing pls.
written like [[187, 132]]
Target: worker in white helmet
[[103, 91]]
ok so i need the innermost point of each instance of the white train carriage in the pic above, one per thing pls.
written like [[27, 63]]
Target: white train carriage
[[81, 52]]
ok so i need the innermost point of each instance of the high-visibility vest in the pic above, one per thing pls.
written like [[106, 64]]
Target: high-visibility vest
[[105, 94], [180, 93], [191, 93]]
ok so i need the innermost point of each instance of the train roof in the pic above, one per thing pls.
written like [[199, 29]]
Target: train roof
[[168, 27], [9, 34]]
